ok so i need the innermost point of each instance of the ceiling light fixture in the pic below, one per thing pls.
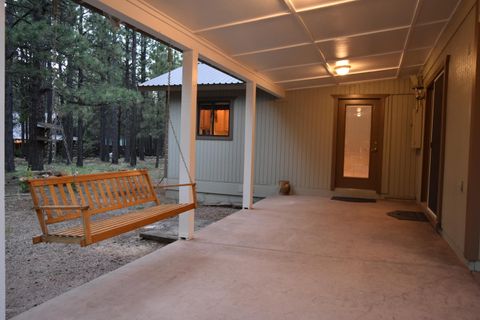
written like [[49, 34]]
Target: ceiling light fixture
[[342, 67]]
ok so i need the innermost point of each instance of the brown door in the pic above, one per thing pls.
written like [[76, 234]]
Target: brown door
[[358, 159]]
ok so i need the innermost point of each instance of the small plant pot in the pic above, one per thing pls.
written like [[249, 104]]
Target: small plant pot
[[284, 187]]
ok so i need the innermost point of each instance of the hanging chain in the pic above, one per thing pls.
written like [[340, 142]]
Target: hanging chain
[[170, 64]]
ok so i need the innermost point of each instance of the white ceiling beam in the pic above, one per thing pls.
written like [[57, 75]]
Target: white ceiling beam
[[292, 66], [240, 22], [326, 5], [362, 34], [337, 77], [141, 15], [307, 31], [340, 83], [416, 12], [271, 49]]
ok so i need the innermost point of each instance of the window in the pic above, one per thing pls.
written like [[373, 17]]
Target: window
[[214, 120]]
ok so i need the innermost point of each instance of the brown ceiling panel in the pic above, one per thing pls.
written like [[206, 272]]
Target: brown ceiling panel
[[425, 35], [297, 72], [259, 35], [408, 71], [365, 64], [365, 45], [415, 57], [195, 14], [309, 83], [358, 17], [281, 58], [434, 10]]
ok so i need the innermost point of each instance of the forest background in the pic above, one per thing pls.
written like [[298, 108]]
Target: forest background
[[71, 87]]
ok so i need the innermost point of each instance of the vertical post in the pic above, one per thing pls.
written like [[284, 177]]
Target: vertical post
[[249, 153], [188, 116], [2, 160]]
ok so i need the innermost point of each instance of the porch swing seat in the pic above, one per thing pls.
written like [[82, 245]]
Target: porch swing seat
[[87, 200]]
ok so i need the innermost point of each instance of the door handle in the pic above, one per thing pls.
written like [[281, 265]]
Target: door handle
[[374, 147]]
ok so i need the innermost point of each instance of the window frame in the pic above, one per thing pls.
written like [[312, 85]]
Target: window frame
[[214, 101]]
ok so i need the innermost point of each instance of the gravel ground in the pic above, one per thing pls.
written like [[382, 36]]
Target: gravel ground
[[37, 273]]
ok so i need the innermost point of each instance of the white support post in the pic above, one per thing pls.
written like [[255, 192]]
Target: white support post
[[249, 153], [188, 117], [2, 160]]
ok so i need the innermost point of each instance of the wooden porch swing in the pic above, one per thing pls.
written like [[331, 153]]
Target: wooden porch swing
[[64, 200]]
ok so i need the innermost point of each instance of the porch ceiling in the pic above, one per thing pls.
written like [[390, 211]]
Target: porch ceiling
[[295, 43], [289, 44]]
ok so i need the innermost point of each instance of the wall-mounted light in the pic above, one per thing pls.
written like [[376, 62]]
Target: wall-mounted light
[[342, 67], [417, 86], [419, 92]]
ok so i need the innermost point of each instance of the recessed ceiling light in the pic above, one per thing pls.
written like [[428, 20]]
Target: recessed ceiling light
[[342, 67]]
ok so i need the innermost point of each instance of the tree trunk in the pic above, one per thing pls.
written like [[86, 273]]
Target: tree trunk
[[49, 116], [80, 130], [9, 146], [143, 78], [67, 123], [141, 148], [126, 135], [35, 150], [133, 108], [115, 134], [103, 135]]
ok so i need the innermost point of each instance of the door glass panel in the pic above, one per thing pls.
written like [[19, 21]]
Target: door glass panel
[[358, 124]]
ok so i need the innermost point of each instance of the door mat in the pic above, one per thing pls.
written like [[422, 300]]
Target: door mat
[[408, 215], [351, 199]]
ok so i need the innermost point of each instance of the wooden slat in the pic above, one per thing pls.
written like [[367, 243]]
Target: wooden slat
[[117, 189], [133, 187], [87, 192], [45, 200], [111, 197], [73, 198], [63, 196], [142, 187], [85, 177], [125, 221], [96, 204], [126, 190], [102, 194], [54, 197], [81, 193], [107, 224], [138, 183]]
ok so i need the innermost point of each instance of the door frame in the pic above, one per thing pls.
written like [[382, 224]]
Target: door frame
[[434, 218], [381, 117]]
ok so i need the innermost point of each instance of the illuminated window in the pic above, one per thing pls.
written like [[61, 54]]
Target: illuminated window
[[214, 120]]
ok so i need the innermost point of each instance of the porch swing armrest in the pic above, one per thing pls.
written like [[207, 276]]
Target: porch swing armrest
[[193, 185], [165, 186]]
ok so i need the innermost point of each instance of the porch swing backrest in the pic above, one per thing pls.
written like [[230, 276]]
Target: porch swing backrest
[[97, 193]]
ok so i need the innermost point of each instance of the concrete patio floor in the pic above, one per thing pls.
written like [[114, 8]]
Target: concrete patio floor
[[290, 258]]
